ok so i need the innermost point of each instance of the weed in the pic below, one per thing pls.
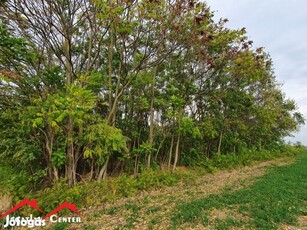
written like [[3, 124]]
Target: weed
[[154, 221], [153, 209], [132, 218], [60, 226], [112, 211], [228, 223]]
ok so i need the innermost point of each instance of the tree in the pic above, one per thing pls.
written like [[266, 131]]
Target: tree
[[87, 84]]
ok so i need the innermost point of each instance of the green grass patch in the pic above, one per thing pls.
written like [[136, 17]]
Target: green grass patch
[[274, 199], [60, 226], [225, 224]]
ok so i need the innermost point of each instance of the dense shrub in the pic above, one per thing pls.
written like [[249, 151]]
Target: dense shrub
[[94, 193]]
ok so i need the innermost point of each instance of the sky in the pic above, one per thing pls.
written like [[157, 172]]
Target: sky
[[280, 27]]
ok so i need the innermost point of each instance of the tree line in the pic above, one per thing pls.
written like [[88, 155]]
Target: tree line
[[91, 87]]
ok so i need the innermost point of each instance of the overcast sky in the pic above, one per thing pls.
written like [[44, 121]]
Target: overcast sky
[[281, 27]]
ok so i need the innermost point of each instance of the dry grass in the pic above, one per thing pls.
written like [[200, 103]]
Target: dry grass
[[5, 203], [302, 223], [152, 210]]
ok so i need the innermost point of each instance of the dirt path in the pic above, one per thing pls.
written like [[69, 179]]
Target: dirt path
[[152, 210]]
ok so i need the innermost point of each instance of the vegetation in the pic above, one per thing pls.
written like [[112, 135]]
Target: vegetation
[[276, 198], [93, 194], [96, 88], [108, 205]]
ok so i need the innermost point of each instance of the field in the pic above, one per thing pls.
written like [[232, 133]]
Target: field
[[270, 195], [266, 195]]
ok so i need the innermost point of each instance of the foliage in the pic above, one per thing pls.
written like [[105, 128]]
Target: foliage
[[93, 193], [108, 87], [103, 139]]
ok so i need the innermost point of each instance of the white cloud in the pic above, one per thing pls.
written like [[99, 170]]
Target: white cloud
[[280, 27]]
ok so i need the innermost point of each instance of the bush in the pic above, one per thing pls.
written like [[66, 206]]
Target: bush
[[125, 186], [94, 193], [248, 157], [17, 183]]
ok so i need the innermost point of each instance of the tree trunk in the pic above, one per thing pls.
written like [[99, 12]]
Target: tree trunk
[[47, 154], [159, 148], [176, 153], [55, 174], [136, 166], [49, 140], [170, 153], [92, 170], [148, 159], [110, 57], [152, 114], [70, 162], [220, 142], [103, 171]]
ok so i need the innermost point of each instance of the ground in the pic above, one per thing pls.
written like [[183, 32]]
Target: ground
[[155, 209], [5, 203]]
